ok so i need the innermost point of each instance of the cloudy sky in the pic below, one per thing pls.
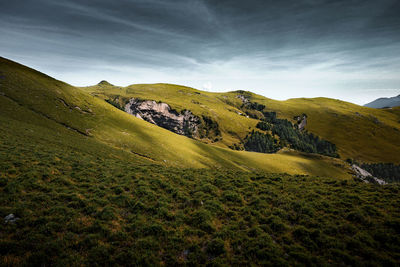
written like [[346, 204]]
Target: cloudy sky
[[347, 49]]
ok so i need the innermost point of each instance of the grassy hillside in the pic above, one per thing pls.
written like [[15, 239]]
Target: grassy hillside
[[232, 125], [34, 98], [92, 185], [360, 133], [396, 111], [93, 205]]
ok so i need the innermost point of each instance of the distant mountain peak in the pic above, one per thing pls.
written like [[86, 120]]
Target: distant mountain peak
[[385, 102], [104, 82]]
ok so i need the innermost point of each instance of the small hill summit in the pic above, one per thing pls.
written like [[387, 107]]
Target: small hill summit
[[105, 83], [385, 102]]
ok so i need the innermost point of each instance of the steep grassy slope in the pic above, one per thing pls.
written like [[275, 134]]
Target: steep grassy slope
[[93, 206], [360, 133], [34, 98], [232, 125]]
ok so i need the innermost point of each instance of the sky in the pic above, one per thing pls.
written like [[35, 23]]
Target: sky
[[347, 50]]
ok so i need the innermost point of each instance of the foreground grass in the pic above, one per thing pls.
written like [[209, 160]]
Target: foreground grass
[[83, 207]]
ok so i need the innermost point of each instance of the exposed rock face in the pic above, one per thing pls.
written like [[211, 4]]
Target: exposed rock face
[[366, 176], [162, 115], [301, 121], [10, 218], [245, 99]]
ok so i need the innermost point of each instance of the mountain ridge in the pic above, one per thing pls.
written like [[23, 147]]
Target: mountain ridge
[[385, 102]]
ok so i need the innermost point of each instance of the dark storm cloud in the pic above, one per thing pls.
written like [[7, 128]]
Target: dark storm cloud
[[154, 27], [350, 35], [206, 30]]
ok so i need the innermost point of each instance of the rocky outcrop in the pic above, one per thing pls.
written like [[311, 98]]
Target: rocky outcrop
[[245, 99], [366, 176], [10, 218], [301, 121], [161, 114]]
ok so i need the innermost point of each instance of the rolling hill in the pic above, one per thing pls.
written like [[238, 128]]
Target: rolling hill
[[62, 111], [360, 133]]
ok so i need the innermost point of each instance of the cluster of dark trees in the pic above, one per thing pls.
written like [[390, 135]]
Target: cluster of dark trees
[[260, 142], [265, 126], [253, 109], [386, 171], [289, 136], [270, 117], [254, 106]]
